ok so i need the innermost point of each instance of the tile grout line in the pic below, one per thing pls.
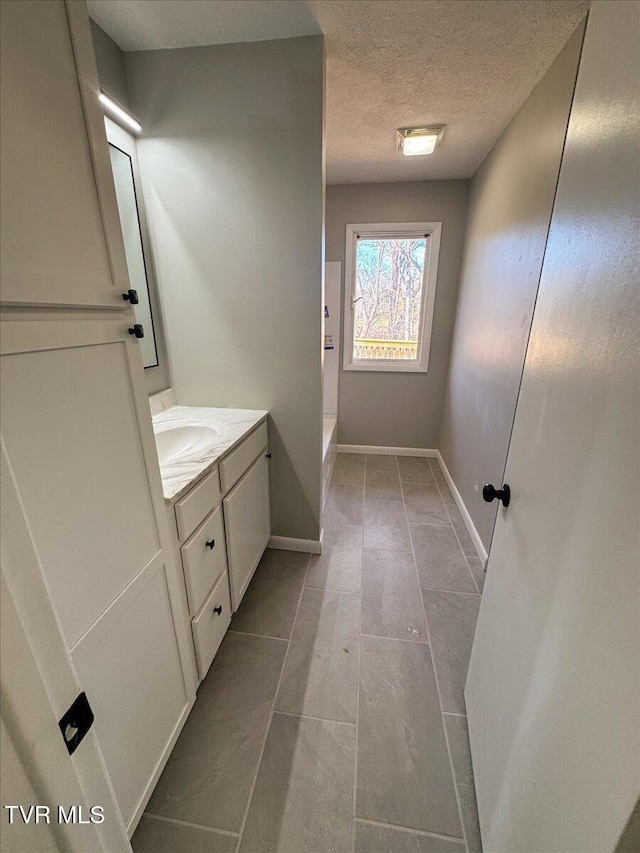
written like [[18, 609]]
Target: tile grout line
[[260, 636], [421, 832], [190, 824], [435, 676], [355, 763], [396, 639], [273, 705], [455, 532], [450, 591], [331, 589], [311, 717], [443, 525]]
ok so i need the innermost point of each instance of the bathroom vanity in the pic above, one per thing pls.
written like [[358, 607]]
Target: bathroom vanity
[[215, 480]]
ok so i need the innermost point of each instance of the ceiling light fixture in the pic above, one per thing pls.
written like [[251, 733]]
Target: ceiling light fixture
[[414, 141], [119, 114]]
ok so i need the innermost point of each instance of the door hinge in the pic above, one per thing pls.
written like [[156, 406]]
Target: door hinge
[[76, 722]]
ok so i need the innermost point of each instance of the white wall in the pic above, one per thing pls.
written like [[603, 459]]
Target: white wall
[[232, 166], [510, 209]]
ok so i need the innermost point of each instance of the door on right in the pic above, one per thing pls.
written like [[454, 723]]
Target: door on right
[[553, 691]]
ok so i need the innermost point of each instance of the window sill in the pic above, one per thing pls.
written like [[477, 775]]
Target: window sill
[[373, 367]]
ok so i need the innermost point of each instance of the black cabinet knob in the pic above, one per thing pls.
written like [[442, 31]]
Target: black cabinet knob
[[268, 455], [211, 544], [218, 610], [137, 330], [490, 493], [131, 296]]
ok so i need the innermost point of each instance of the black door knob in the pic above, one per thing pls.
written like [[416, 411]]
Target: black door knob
[[490, 493], [137, 330], [131, 296]]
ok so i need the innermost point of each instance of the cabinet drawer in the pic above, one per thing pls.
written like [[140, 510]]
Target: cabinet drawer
[[192, 508], [204, 559], [234, 466], [210, 626]]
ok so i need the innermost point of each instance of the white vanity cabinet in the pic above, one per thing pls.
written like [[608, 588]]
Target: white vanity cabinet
[[222, 526]]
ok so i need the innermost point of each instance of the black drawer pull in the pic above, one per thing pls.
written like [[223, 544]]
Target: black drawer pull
[[211, 543], [218, 610]]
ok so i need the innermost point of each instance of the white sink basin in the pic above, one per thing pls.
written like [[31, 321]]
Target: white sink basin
[[178, 442]]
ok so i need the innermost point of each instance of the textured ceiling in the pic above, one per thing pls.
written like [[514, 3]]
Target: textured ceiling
[[469, 64]]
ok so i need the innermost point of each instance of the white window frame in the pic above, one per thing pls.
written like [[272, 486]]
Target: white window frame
[[392, 230]]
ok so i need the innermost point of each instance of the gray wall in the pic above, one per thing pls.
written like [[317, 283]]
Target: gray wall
[[400, 409], [510, 208], [110, 62], [232, 165], [112, 76]]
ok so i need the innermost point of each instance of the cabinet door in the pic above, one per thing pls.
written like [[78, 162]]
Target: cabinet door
[[74, 429], [248, 526], [61, 243]]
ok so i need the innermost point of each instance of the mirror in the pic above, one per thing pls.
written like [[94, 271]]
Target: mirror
[[123, 177]]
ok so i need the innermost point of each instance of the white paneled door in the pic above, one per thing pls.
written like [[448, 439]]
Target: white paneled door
[[553, 692]]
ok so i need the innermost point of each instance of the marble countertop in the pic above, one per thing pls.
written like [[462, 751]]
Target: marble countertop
[[231, 426]]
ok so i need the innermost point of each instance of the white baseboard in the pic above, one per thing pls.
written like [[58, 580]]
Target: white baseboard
[[289, 543], [473, 533], [372, 450]]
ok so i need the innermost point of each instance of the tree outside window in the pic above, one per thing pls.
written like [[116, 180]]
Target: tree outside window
[[389, 281]]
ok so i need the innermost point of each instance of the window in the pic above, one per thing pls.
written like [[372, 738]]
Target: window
[[390, 288]]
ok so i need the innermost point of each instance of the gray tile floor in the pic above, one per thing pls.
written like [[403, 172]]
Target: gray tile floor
[[333, 718]]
